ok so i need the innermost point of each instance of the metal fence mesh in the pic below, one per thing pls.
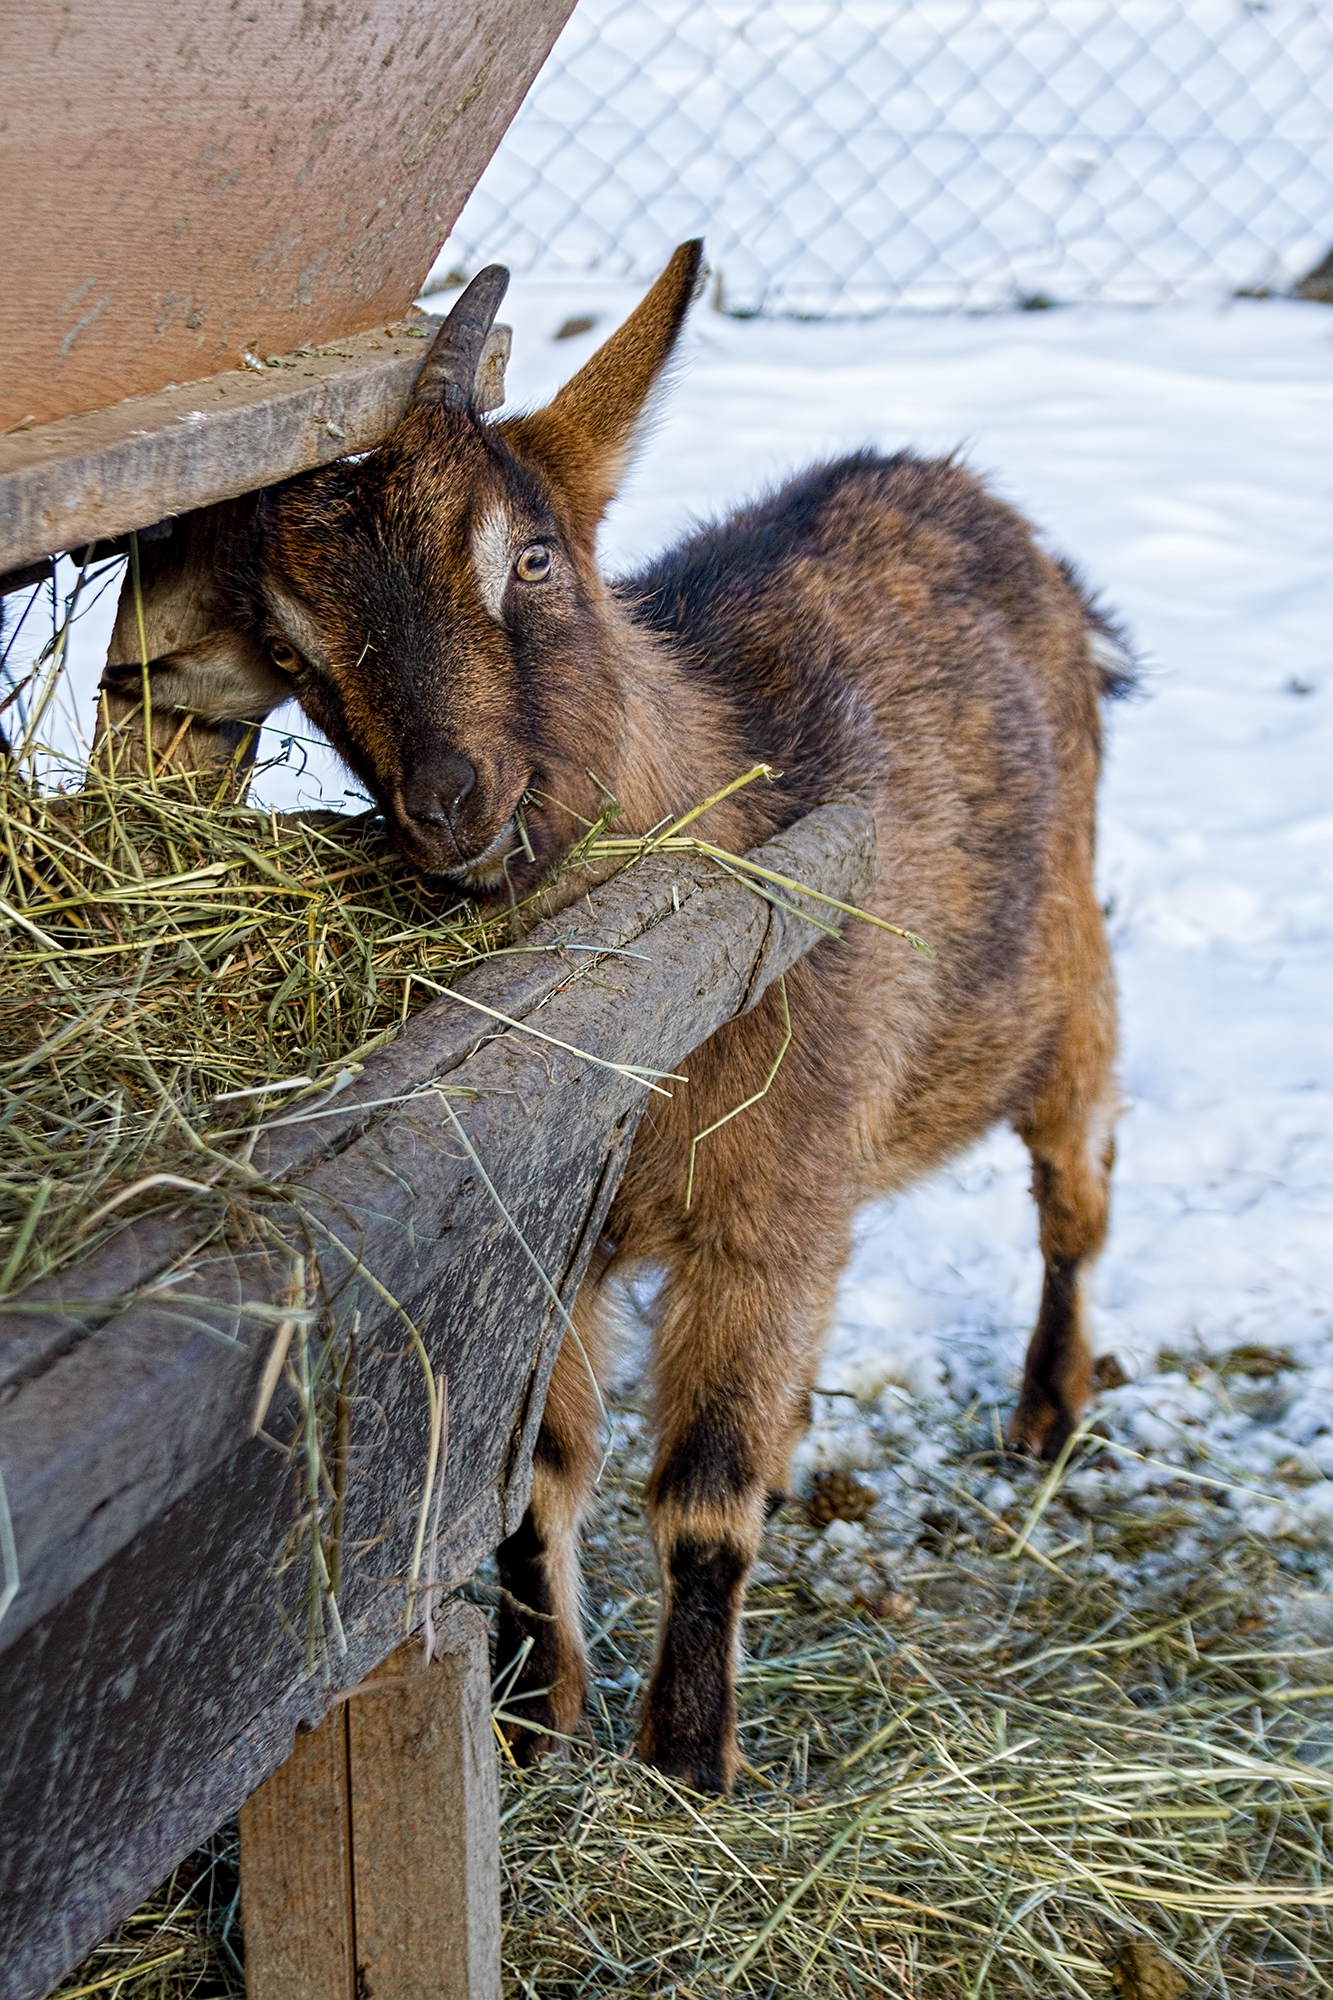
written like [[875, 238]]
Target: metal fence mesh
[[850, 155]]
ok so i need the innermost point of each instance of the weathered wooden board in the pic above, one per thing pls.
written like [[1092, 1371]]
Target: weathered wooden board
[[370, 1860], [185, 179], [93, 477], [152, 1669]]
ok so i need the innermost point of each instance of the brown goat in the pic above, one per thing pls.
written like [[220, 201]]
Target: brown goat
[[879, 625]]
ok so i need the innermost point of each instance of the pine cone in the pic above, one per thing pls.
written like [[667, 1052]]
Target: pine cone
[[838, 1496]]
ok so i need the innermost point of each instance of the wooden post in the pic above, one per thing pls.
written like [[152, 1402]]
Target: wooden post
[[370, 1860]]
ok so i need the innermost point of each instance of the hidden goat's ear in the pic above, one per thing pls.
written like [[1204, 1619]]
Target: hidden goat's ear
[[455, 372], [584, 439]]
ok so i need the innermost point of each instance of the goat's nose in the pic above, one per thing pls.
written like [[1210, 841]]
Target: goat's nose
[[434, 796]]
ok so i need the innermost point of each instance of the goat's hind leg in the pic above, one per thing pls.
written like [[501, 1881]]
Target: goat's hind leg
[[540, 1653], [1069, 1130]]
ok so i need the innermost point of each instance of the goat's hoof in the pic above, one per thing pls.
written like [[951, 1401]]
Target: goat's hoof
[[528, 1745], [708, 1769], [1040, 1433]]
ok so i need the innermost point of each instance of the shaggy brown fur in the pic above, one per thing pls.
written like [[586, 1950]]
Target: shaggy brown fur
[[880, 625]]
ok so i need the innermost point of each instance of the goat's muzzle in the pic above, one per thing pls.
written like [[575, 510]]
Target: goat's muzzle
[[434, 798], [432, 825]]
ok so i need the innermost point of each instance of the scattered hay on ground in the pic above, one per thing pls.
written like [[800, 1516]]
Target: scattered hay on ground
[[965, 1775]]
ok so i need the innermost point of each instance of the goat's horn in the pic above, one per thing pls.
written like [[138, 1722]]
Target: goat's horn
[[449, 372]]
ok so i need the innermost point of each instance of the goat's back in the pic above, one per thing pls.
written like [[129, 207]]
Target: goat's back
[[886, 626]]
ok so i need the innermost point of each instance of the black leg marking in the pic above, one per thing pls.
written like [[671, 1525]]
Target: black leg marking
[[1045, 1415], [691, 1712], [525, 1613], [711, 1463]]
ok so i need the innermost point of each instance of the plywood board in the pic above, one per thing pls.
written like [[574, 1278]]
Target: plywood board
[[188, 179]]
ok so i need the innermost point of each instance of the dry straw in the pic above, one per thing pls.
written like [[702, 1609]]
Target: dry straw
[[978, 1777], [179, 966], [993, 1779], [176, 968]]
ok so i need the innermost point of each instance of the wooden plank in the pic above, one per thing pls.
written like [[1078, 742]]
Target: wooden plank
[[296, 1873], [426, 1822], [127, 466], [184, 181], [370, 1860]]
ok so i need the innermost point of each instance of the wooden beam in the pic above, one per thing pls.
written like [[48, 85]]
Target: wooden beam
[[426, 1821], [95, 477], [161, 1653], [296, 1873], [370, 1860]]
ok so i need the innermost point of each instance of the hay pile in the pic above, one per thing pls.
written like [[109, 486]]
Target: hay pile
[[1106, 1766], [174, 968], [175, 962]]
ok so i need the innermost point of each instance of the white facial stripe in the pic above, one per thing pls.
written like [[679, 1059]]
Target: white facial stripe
[[296, 622], [492, 558]]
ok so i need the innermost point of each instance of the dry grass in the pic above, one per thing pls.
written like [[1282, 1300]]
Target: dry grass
[[163, 952], [966, 1776], [176, 963]]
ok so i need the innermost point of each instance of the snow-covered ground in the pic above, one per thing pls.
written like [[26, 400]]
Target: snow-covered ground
[[1184, 459]]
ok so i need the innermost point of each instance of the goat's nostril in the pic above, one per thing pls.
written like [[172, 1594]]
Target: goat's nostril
[[435, 796], [465, 779]]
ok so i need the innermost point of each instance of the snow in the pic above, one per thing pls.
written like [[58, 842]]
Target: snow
[[1184, 459]]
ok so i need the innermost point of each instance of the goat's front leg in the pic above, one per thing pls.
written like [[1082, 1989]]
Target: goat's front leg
[[737, 1350]]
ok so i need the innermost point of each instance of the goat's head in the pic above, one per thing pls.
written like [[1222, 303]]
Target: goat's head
[[436, 606]]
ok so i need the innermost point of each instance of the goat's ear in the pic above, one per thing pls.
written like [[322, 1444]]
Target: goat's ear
[[584, 439]]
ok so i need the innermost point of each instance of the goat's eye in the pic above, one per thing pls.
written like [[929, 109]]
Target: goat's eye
[[533, 564], [284, 657]]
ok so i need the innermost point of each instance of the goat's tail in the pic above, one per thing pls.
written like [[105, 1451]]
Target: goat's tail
[[1110, 647]]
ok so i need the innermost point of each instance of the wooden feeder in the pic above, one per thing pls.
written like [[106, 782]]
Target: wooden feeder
[[214, 226]]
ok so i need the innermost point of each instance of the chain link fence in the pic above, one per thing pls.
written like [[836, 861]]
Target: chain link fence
[[853, 155]]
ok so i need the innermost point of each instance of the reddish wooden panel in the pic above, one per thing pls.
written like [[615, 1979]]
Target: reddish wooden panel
[[296, 1872], [183, 181]]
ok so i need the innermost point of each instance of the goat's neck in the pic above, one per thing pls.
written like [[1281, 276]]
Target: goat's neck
[[678, 741]]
